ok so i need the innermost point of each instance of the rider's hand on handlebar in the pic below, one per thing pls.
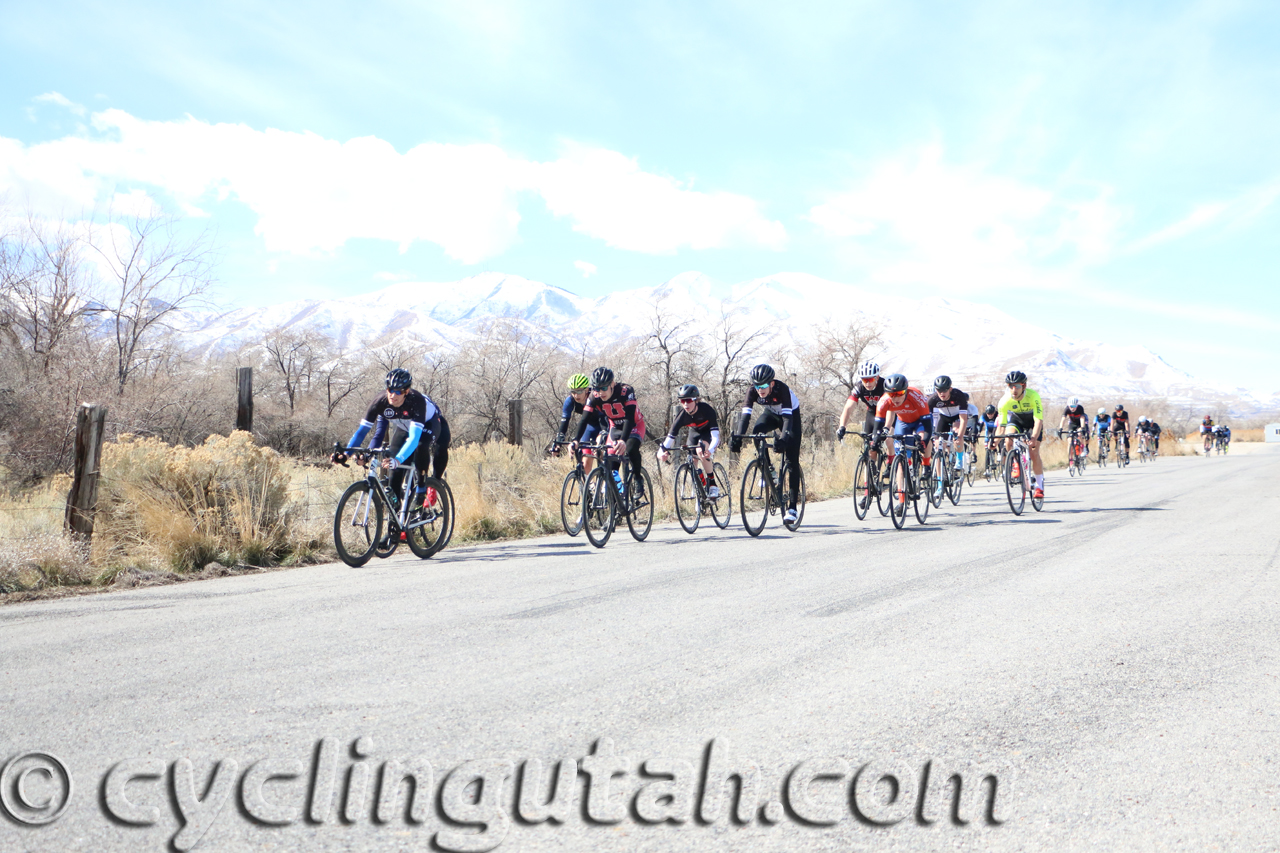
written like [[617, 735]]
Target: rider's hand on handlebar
[[840, 433], [663, 454]]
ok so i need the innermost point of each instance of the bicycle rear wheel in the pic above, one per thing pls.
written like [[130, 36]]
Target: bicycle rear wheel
[[433, 530], [927, 488], [784, 487], [899, 490], [722, 507], [571, 503], [970, 465], [955, 486], [688, 501], [599, 506], [862, 489], [639, 506], [1015, 486], [357, 524], [753, 497]]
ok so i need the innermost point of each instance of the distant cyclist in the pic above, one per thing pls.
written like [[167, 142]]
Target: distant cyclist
[[1206, 431], [616, 403], [1120, 428], [1102, 425], [579, 390], [950, 406], [1154, 429], [704, 431], [868, 391], [1079, 420], [782, 412], [1022, 409]]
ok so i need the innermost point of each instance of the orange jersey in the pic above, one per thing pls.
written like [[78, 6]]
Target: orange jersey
[[910, 408]]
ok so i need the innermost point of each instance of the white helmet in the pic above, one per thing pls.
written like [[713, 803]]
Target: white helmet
[[1144, 419], [869, 370], [1102, 411], [1073, 402]]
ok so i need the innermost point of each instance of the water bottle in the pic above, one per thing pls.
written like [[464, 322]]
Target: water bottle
[[617, 478]]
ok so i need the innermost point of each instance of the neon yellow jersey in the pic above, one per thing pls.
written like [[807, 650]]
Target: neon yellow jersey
[[1029, 404]]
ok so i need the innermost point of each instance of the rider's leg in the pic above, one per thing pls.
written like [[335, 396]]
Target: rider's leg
[[440, 461], [792, 452]]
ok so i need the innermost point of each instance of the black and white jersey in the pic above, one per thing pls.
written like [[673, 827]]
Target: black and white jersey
[[949, 409], [780, 400], [703, 421]]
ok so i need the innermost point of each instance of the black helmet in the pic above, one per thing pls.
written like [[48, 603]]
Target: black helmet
[[942, 383], [688, 391], [601, 378], [1119, 408], [399, 379], [761, 374], [1016, 377], [895, 382], [990, 410]]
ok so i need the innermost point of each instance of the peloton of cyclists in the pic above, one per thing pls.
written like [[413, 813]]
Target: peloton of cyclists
[[704, 430], [782, 411], [616, 404], [1022, 409], [575, 403]]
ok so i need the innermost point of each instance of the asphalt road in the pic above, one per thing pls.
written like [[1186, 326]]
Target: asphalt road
[[1108, 667]]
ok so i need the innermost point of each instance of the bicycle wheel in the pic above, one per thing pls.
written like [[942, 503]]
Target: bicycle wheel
[[390, 540], [571, 503], [753, 497], [970, 465], [955, 487], [899, 490], [599, 506], [431, 532], [357, 524], [785, 486], [1036, 503], [1015, 486], [688, 501], [721, 507], [639, 506], [862, 489], [927, 490]]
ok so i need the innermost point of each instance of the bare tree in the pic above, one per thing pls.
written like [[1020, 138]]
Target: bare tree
[[668, 342], [294, 354], [732, 344], [502, 364], [150, 273], [839, 351]]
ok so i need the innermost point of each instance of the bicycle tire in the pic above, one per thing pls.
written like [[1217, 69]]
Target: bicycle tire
[[639, 508], [430, 534], [573, 483], [956, 487], [357, 545], [898, 498], [722, 507], [862, 489], [599, 506], [938, 479], [687, 498], [1012, 484], [754, 497], [1036, 503], [927, 490], [800, 496], [970, 464]]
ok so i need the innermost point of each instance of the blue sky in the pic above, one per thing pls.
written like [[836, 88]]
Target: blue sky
[[1109, 171]]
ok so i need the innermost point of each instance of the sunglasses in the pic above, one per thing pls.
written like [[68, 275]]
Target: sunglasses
[[764, 387], [897, 393], [399, 392], [688, 399]]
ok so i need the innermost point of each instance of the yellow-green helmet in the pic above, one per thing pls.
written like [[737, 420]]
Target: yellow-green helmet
[[579, 382]]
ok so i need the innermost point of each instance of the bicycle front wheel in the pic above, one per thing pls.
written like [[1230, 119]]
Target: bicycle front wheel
[[430, 533], [640, 512], [571, 503], [956, 486], [862, 489], [688, 501], [357, 524], [753, 497], [1015, 483], [600, 506], [722, 507], [899, 490], [928, 491]]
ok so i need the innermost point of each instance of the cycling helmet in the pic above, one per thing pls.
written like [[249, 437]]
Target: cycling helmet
[[1073, 402], [601, 378], [869, 370], [942, 383], [989, 410], [1119, 408], [1207, 418], [399, 379], [761, 374], [1144, 419], [1102, 411], [688, 391], [895, 383], [579, 382], [1015, 377]]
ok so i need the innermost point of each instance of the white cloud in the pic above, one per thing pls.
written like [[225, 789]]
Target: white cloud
[[312, 194], [1240, 210], [61, 100], [587, 268]]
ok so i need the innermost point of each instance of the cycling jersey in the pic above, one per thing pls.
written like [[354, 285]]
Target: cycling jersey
[[1206, 426], [415, 415], [1102, 423], [868, 396], [989, 424], [780, 400], [703, 424], [909, 408], [1030, 404], [621, 412], [1078, 416], [1120, 422], [947, 412], [567, 411]]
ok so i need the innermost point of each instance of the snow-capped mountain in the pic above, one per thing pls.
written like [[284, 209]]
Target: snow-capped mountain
[[922, 337]]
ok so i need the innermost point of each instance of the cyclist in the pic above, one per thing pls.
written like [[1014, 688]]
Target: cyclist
[[615, 403], [704, 430], [418, 429], [1022, 409], [1155, 429], [987, 424], [910, 409], [868, 391], [1075, 413], [1102, 426], [948, 405], [579, 390], [1120, 428], [1226, 438], [782, 411], [1206, 430]]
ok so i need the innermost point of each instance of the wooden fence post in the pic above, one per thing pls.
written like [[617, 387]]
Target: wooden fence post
[[515, 418], [82, 500], [244, 398]]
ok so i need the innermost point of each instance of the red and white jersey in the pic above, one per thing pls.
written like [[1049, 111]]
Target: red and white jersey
[[909, 409]]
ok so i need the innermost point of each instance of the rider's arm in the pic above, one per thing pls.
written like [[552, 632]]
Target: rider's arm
[[566, 412], [410, 443], [361, 431], [715, 440], [848, 410]]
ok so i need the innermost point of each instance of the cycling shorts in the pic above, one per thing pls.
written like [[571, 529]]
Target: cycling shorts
[[589, 437], [1023, 422], [923, 426]]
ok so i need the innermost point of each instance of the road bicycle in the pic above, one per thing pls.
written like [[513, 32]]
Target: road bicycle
[[1209, 441], [970, 459], [571, 491], [1122, 449], [371, 516], [868, 482], [910, 481], [993, 459], [1104, 447], [1145, 451], [1221, 443], [691, 492], [764, 489], [947, 479], [1077, 458], [613, 489], [1018, 476]]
